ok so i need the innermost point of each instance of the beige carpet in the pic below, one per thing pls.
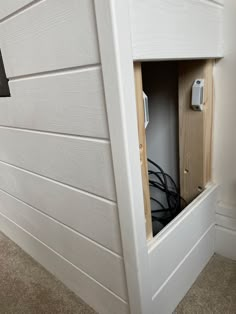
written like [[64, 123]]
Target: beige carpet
[[27, 288], [214, 292]]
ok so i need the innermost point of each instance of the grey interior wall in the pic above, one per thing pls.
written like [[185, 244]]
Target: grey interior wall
[[160, 83]]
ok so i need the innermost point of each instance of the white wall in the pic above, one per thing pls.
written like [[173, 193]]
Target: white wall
[[225, 111], [183, 29], [224, 166], [57, 191]]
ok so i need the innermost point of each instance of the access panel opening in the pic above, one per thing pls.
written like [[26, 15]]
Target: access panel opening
[[175, 142]]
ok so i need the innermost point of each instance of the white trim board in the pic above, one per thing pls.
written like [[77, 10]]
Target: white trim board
[[226, 222], [226, 242], [226, 230], [224, 209], [118, 76]]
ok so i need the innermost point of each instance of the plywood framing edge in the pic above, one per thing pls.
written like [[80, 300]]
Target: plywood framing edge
[[142, 147]]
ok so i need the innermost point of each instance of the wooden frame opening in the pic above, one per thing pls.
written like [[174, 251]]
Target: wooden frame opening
[[194, 128]]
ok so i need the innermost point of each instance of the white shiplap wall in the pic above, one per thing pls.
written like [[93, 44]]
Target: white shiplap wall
[[50, 35], [56, 169], [53, 103], [11, 7], [57, 192]]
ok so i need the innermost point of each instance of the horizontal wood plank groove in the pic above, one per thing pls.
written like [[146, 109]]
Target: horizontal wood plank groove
[[69, 103], [66, 135], [43, 37], [185, 275], [102, 264], [82, 163], [184, 259], [226, 209], [57, 134], [25, 5], [67, 70], [193, 221], [59, 182], [64, 273], [93, 240], [226, 222], [226, 215], [40, 212]]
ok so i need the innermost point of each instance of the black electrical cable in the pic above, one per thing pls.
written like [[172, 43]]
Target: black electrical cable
[[163, 182], [164, 176]]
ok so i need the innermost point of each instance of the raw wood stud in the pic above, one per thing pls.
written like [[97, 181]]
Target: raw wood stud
[[142, 147], [195, 129]]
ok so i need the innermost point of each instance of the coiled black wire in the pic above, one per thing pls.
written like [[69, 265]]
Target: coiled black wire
[[164, 182]]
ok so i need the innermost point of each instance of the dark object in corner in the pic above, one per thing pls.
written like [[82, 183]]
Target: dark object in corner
[[4, 87]]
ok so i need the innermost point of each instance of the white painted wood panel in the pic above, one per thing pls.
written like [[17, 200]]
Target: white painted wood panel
[[182, 29], [226, 242], [221, 2], [92, 216], [182, 278], [69, 102], [224, 209], [48, 36], [226, 222], [99, 263], [213, 2], [10, 6], [93, 293], [171, 245], [79, 162]]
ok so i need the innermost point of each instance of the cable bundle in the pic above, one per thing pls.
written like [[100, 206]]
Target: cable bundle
[[164, 183]]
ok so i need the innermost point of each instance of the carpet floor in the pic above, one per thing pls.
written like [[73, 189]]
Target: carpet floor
[[27, 288], [214, 292]]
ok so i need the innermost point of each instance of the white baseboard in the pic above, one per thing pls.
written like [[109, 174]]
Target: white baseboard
[[226, 209], [226, 222], [226, 242], [226, 230]]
